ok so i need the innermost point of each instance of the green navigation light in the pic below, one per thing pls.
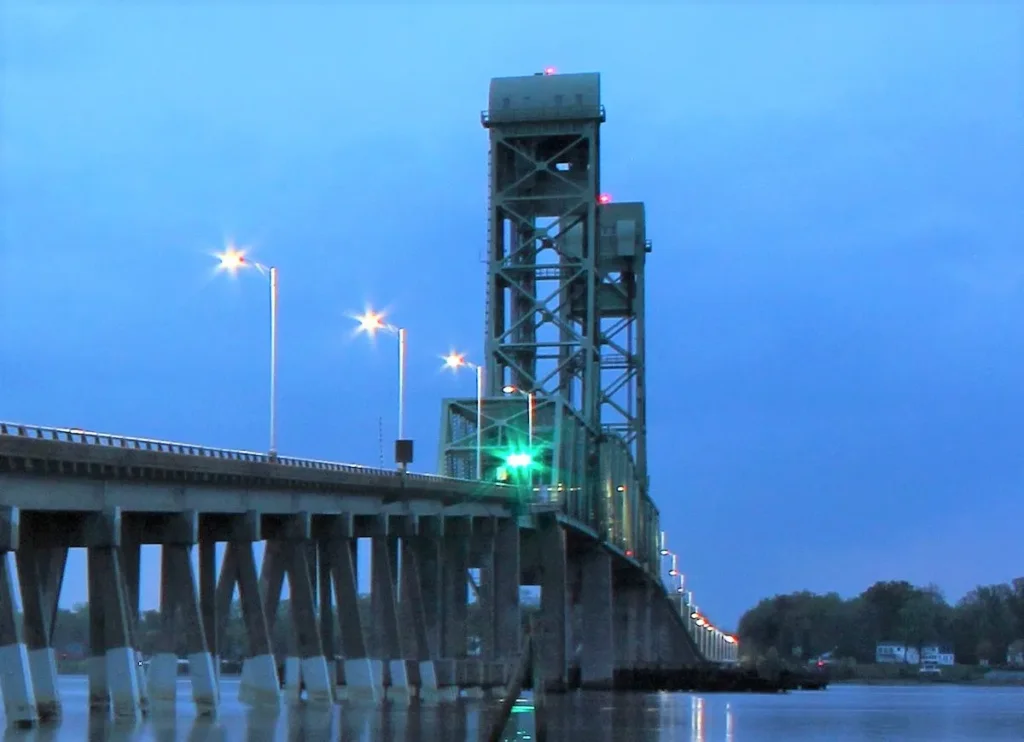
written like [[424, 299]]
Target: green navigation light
[[519, 460]]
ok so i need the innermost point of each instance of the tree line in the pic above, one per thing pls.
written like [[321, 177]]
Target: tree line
[[984, 625], [71, 630]]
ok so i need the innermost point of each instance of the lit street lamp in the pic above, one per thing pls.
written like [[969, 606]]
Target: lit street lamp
[[371, 323], [510, 389], [455, 361], [232, 260]]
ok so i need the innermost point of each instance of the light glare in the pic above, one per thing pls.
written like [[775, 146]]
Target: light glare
[[231, 260], [370, 322], [454, 360], [518, 460]]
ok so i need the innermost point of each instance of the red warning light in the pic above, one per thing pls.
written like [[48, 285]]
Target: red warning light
[[604, 198], [549, 70], [629, 552]]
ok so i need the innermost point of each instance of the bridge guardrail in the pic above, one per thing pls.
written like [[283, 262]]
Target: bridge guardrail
[[112, 440]]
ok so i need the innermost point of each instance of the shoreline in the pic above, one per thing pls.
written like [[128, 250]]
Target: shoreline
[[978, 682]]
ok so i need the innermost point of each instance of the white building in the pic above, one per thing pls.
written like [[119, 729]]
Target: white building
[[891, 653], [938, 654]]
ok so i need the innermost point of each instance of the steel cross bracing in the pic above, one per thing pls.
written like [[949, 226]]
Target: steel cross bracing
[[564, 314], [527, 187]]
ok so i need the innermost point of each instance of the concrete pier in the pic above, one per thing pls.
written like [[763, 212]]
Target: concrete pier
[[420, 585], [597, 661], [41, 574], [15, 673]]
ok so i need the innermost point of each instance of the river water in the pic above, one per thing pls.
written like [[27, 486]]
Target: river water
[[843, 713]]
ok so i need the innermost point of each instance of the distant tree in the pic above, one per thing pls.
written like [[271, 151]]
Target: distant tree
[[982, 625]]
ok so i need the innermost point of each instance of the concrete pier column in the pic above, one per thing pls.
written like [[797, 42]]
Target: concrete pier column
[[428, 548], [597, 663], [208, 593], [419, 649], [205, 691], [121, 663], [327, 617], [455, 574], [362, 683], [15, 675], [273, 570], [131, 550], [260, 686], [507, 612], [621, 611], [96, 664], [385, 616], [643, 625], [163, 665], [41, 574], [554, 596], [312, 663], [483, 557], [223, 592]]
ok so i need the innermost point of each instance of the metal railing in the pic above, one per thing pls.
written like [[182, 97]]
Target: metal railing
[[112, 440]]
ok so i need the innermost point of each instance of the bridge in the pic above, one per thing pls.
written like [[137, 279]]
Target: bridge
[[543, 482]]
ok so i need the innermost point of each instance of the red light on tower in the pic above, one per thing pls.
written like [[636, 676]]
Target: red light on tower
[[549, 70], [604, 198]]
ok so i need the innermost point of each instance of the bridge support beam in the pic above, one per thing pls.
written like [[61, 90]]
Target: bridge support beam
[[437, 676], [632, 621], [114, 675], [41, 575], [363, 676], [181, 622], [131, 549], [16, 677], [554, 599], [507, 611], [388, 644], [113, 667], [455, 569], [413, 613], [313, 664], [260, 685], [597, 663]]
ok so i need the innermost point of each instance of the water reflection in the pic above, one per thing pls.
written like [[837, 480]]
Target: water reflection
[[697, 719], [843, 714]]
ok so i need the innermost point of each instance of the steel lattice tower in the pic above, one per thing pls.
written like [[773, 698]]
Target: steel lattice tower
[[565, 309]]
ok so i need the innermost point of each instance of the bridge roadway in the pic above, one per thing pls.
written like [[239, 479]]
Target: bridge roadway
[[600, 610]]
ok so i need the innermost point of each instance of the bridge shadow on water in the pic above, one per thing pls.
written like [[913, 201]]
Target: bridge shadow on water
[[594, 717]]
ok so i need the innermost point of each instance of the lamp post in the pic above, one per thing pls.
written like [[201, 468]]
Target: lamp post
[[510, 389], [371, 323], [455, 361], [232, 260]]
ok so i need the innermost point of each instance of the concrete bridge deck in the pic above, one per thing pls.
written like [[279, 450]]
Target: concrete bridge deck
[[86, 470]]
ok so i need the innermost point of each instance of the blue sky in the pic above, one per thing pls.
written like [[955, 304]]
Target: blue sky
[[835, 194]]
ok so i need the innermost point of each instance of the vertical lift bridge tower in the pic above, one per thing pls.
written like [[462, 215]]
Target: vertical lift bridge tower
[[565, 316]]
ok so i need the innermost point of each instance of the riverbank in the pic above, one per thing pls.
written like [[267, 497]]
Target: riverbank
[[911, 675]]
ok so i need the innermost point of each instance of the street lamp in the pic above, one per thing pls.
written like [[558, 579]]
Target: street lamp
[[232, 260], [371, 323], [455, 361], [510, 389]]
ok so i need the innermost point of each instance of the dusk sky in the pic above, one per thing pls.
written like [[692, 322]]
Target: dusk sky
[[836, 293]]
